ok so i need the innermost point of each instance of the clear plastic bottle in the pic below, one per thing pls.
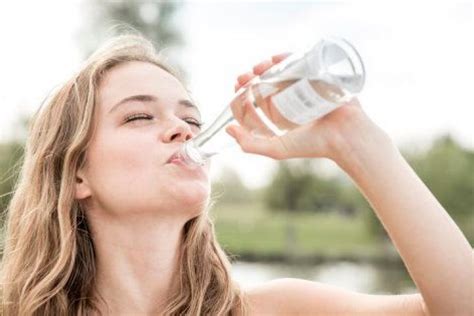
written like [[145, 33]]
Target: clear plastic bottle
[[303, 87]]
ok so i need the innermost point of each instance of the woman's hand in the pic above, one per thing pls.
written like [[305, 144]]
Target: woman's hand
[[331, 136]]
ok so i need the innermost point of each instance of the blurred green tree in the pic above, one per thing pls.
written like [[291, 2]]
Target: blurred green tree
[[445, 167], [294, 188], [448, 171], [229, 188], [288, 186], [297, 187]]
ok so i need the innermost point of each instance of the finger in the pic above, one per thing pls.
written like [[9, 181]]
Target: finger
[[278, 58], [259, 69], [237, 86], [272, 113], [257, 144], [243, 79], [253, 122], [262, 67], [245, 113], [237, 107]]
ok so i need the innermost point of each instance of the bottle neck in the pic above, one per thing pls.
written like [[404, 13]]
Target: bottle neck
[[222, 120]]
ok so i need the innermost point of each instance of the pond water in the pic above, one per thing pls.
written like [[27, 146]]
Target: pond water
[[360, 277]]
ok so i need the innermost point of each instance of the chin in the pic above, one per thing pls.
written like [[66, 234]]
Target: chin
[[196, 199], [193, 198]]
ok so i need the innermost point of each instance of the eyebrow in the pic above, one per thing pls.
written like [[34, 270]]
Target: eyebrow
[[150, 98]]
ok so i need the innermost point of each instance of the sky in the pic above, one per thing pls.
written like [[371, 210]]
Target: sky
[[417, 55]]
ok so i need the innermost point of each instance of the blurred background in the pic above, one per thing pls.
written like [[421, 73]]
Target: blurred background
[[299, 218]]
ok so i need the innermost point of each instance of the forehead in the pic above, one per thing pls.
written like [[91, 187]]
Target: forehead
[[138, 78]]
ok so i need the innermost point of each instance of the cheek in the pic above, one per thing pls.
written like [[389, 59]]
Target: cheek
[[122, 163], [129, 172], [122, 156]]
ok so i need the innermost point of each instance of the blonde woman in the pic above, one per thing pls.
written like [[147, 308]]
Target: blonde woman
[[104, 220]]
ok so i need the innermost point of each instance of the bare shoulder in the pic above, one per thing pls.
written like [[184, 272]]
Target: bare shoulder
[[301, 297]]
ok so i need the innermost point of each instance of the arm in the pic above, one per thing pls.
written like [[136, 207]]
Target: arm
[[301, 297], [434, 250]]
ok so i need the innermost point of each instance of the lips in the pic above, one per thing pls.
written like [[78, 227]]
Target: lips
[[175, 156], [178, 161]]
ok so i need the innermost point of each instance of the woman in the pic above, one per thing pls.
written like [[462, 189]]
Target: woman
[[105, 220]]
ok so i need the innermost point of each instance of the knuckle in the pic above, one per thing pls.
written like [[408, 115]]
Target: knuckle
[[244, 77], [258, 68], [279, 57], [240, 79]]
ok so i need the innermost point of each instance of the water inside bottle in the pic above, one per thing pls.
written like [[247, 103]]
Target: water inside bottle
[[329, 95]]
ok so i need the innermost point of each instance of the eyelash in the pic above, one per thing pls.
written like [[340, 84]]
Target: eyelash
[[135, 117]]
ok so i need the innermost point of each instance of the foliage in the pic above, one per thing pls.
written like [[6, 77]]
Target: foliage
[[296, 187], [446, 168], [448, 171], [229, 188]]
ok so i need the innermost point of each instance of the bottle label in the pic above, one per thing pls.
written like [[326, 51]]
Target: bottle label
[[300, 103]]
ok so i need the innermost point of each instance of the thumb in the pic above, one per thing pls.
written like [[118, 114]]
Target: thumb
[[255, 143]]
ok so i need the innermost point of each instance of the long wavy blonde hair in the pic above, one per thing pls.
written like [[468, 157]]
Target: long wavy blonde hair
[[48, 263]]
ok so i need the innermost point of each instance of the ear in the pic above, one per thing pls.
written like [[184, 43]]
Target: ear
[[83, 190]]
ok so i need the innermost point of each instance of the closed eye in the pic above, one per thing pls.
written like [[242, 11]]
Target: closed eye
[[136, 117], [194, 122]]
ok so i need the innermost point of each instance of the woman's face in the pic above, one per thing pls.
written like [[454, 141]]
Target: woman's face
[[127, 169]]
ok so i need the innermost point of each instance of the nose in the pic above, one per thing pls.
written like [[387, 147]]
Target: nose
[[178, 131]]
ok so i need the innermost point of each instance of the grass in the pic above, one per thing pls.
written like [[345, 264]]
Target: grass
[[255, 229]]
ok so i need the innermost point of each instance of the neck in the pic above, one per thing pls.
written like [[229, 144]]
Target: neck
[[137, 262]]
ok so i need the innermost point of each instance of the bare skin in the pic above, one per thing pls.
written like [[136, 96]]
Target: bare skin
[[137, 216]]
